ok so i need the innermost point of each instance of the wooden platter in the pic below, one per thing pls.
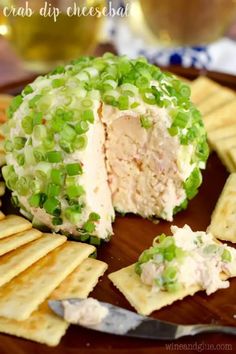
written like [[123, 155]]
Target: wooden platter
[[132, 236]]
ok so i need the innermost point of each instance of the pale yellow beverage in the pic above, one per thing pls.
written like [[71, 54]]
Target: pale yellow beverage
[[43, 43], [187, 22]]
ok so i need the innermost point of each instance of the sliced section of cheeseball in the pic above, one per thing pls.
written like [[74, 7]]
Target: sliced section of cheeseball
[[103, 132], [156, 143]]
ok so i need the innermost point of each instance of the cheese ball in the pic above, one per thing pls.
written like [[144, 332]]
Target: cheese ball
[[99, 135]]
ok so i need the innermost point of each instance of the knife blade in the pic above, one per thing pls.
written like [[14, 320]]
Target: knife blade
[[120, 321]]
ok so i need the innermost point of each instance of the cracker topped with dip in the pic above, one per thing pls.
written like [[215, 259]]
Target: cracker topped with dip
[[174, 267]]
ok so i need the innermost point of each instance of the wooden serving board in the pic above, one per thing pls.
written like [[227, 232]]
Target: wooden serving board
[[132, 236]]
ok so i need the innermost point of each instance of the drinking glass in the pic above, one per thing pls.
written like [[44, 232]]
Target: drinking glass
[[42, 42], [186, 22]]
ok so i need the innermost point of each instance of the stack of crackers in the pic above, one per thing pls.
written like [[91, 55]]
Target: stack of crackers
[[218, 107], [34, 268], [223, 225]]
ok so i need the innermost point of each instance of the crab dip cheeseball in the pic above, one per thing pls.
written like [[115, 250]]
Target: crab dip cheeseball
[[102, 134]]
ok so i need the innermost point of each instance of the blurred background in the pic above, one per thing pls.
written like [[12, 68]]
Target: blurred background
[[196, 33]]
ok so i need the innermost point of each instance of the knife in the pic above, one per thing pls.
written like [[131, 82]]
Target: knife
[[120, 321]]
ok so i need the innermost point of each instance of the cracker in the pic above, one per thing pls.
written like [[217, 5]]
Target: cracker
[[221, 117], [2, 188], [232, 157], [13, 224], [10, 243], [223, 219], [223, 146], [220, 98], [201, 88], [23, 294], [43, 325], [140, 295], [17, 261], [221, 133]]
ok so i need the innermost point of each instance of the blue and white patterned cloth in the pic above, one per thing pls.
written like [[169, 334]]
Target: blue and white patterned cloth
[[218, 56]]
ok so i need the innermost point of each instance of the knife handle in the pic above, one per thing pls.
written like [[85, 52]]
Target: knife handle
[[204, 328]]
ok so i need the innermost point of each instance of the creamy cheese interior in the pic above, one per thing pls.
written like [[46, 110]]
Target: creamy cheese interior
[[142, 163], [202, 263]]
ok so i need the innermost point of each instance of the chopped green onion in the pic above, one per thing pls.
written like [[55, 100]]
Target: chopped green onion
[[35, 200], [88, 115], [192, 183], [89, 227], [173, 131], [58, 82], [44, 167], [27, 90], [226, 256], [181, 120], [38, 155], [40, 132], [29, 155], [54, 156], [37, 118], [57, 123], [169, 253], [80, 142], [142, 82], [134, 105], [185, 91], [52, 206], [149, 97], [48, 143], [173, 287], [53, 190], [22, 186], [33, 102], [68, 133], [57, 221], [202, 150], [123, 103], [73, 213], [66, 146], [82, 127], [58, 70], [94, 217], [129, 89], [8, 146], [146, 122], [87, 103], [74, 169], [93, 240], [109, 85], [27, 124], [57, 177], [19, 142], [14, 105], [84, 237], [8, 171], [35, 185], [70, 180], [169, 274], [74, 191], [20, 159]]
